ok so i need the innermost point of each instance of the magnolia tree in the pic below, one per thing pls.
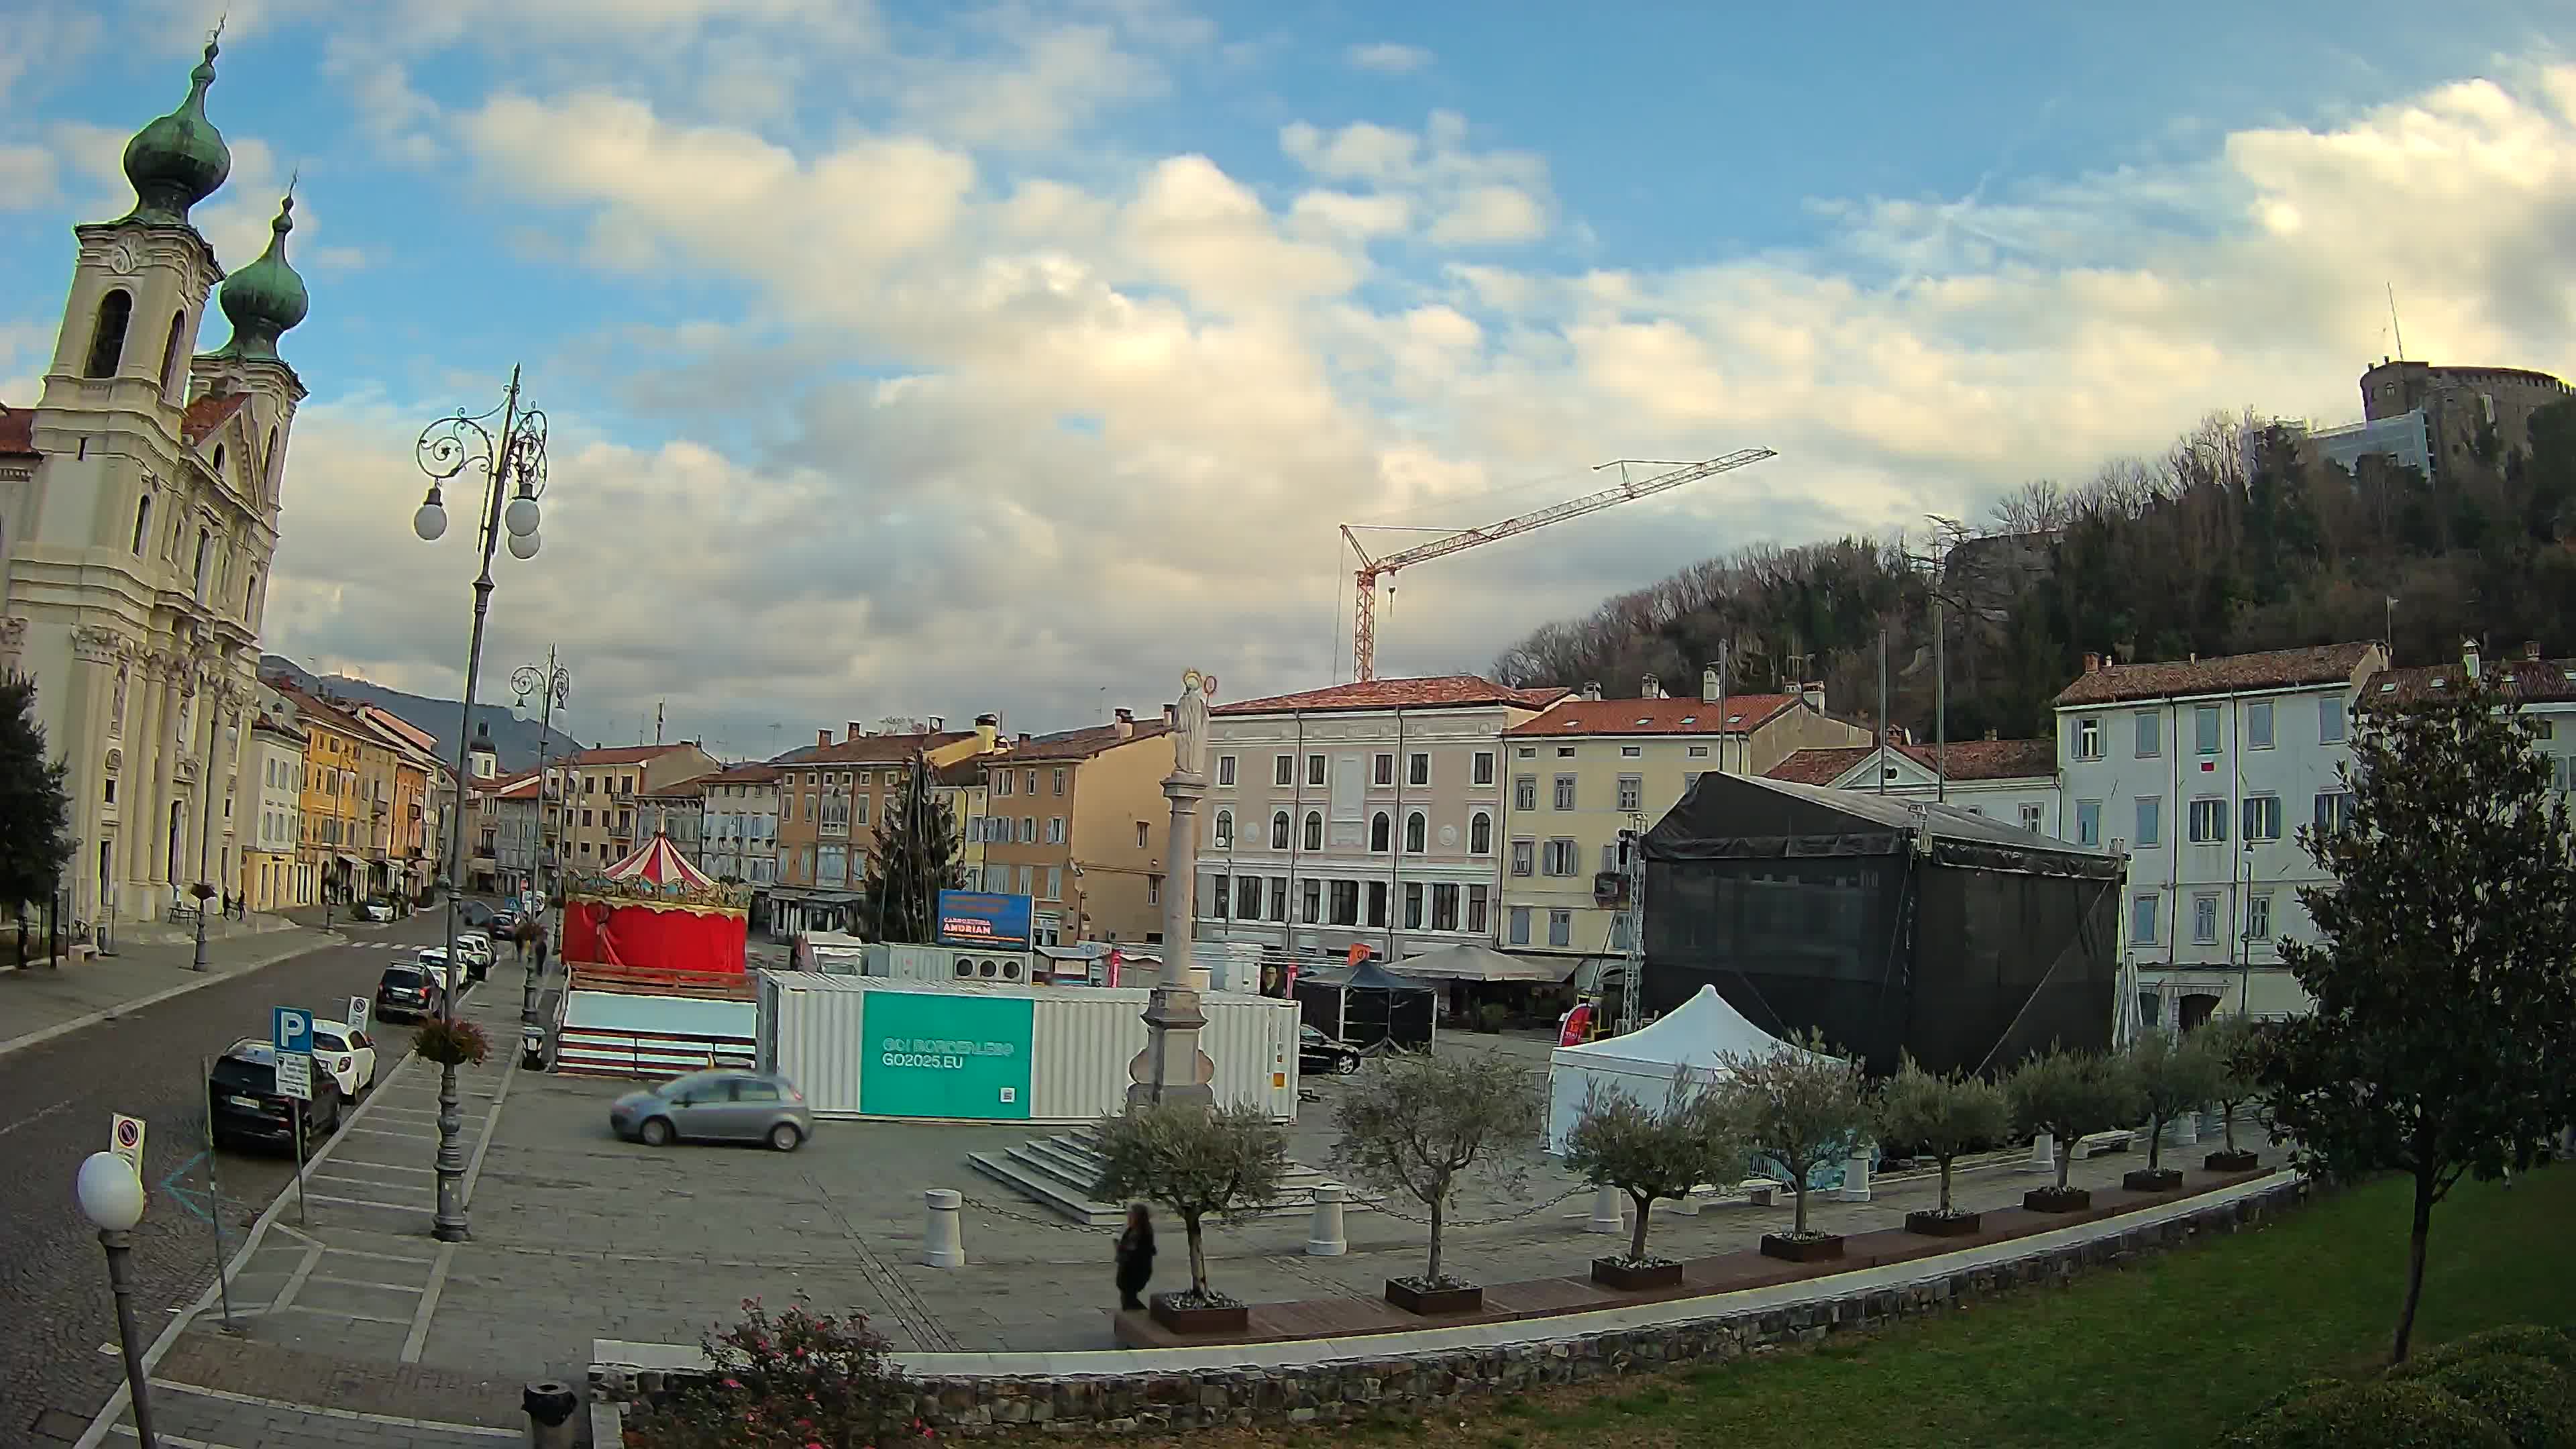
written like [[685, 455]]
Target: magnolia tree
[[2169, 1078], [1652, 1153], [1799, 1105], [1947, 1117], [2443, 1037], [2069, 1094], [1425, 1122], [1199, 1163]]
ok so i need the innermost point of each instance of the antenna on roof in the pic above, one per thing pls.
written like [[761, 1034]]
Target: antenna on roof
[[2392, 321]]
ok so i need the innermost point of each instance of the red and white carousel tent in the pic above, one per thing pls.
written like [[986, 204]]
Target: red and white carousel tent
[[653, 911]]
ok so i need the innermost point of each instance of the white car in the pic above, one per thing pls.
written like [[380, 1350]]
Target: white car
[[434, 961], [377, 910], [350, 1057], [475, 949]]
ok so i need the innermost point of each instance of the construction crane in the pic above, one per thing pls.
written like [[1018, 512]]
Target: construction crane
[[1364, 622]]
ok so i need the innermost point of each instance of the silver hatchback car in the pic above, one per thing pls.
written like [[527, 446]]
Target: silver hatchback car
[[719, 1106]]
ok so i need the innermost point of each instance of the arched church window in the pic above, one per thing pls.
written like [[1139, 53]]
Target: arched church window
[[170, 379], [107, 339], [142, 523]]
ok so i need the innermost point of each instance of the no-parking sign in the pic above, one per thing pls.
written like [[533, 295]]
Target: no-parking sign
[[125, 1139]]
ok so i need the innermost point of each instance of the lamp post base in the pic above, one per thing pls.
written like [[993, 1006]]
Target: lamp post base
[[1171, 1071], [449, 1226]]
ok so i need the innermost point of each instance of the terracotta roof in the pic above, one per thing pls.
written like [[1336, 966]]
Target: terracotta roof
[[209, 413], [742, 775], [2228, 674], [324, 710], [17, 433], [1082, 744], [2529, 680], [874, 749], [505, 786], [1444, 691], [1969, 760], [695, 785], [277, 726], [1740, 714], [623, 754]]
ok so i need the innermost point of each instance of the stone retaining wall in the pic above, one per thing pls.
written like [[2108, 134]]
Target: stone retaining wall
[[1414, 1383]]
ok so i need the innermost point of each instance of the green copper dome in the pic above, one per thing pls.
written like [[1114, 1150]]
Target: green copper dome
[[265, 298], [180, 159]]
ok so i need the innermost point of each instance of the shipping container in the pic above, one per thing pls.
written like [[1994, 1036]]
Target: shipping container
[[936, 965], [870, 1047]]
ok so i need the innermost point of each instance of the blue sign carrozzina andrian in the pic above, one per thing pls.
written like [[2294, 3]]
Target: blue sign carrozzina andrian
[[975, 918]]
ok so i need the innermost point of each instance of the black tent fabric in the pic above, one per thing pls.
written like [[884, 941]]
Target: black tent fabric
[[1367, 1005], [1892, 926]]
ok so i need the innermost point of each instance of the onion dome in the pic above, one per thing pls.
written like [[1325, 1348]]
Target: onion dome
[[265, 298], [180, 159]]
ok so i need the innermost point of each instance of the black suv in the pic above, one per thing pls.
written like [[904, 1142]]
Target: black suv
[[243, 1104], [1318, 1054], [407, 992]]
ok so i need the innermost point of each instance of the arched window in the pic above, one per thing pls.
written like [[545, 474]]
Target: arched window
[[1480, 834], [269, 462], [1314, 830], [170, 353], [1415, 828], [219, 462], [205, 550], [1279, 831], [250, 601], [1381, 831], [1225, 830], [107, 339]]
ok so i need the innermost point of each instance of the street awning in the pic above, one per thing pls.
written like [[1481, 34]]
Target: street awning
[[352, 861], [1472, 962]]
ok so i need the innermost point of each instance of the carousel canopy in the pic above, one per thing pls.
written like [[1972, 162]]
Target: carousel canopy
[[657, 872]]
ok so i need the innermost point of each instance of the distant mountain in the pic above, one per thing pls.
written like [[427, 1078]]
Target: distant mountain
[[513, 740]]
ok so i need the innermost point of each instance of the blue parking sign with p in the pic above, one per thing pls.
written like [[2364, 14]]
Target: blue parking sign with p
[[291, 1029]]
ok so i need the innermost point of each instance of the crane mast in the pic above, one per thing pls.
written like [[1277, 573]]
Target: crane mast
[[1364, 613]]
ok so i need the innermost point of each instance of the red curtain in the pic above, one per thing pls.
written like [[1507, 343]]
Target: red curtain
[[640, 936]]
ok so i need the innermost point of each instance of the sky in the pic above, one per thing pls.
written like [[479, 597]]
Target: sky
[[929, 359]]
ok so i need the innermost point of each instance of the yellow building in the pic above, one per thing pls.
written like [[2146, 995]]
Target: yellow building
[[1590, 768], [966, 787], [332, 834]]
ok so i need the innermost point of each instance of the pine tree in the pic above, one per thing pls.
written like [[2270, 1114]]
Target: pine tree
[[915, 858], [35, 812]]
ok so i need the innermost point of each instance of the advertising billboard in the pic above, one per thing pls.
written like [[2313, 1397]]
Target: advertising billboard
[[973, 918], [941, 1054]]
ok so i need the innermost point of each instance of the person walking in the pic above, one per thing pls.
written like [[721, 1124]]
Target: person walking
[[1135, 1256]]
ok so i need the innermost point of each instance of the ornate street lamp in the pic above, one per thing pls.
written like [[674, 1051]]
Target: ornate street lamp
[[513, 459], [554, 684], [111, 1197]]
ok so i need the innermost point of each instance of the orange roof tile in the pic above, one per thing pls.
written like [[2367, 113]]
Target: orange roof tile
[[1081, 744], [1444, 691], [1739, 714], [2526, 680], [17, 433], [623, 754], [209, 413], [1969, 760], [872, 749], [2227, 674]]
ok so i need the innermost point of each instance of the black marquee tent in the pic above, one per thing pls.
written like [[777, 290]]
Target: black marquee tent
[[1369, 1004], [1890, 925]]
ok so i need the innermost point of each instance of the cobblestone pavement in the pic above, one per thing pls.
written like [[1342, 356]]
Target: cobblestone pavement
[[186, 1416], [44, 1003]]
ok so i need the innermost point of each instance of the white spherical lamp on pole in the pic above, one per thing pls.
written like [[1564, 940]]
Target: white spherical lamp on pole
[[111, 1197]]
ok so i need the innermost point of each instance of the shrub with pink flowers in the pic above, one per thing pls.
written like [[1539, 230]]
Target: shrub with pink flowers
[[795, 1379]]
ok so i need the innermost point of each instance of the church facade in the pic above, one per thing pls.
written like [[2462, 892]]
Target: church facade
[[139, 505]]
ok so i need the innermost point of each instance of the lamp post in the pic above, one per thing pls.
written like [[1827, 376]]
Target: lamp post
[[515, 457], [111, 1197], [554, 685]]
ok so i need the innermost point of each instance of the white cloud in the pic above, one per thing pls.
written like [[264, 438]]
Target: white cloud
[[1486, 215], [26, 178], [1389, 57], [1469, 197]]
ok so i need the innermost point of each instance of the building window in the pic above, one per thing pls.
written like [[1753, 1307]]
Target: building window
[[1698, 752], [1619, 931], [1525, 792], [1484, 770], [2258, 725], [1002, 782], [2151, 820], [1314, 830], [1381, 833], [1220, 897], [1565, 792], [1417, 769], [1377, 903], [2088, 739], [1560, 858], [2142, 921], [1285, 771], [2205, 730], [2204, 920], [2330, 721], [1279, 898], [1632, 793], [2258, 916], [2032, 817], [2088, 822], [2262, 817], [142, 523], [1413, 905], [107, 339], [1565, 752], [1144, 841], [1225, 769], [1480, 834], [1346, 903], [1247, 895], [1315, 770], [2151, 734], [2334, 810], [1279, 830], [1055, 830], [1524, 856], [1225, 830], [1028, 830], [1560, 928], [2208, 822], [1027, 877], [1417, 830], [1476, 909], [1444, 907], [1516, 926], [1382, 769], [1059, 780]]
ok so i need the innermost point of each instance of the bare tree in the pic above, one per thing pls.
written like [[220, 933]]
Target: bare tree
[[1424, 1122]]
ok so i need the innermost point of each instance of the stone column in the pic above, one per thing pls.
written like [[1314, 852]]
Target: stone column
[[1609, 1212], [1172, 1070], [147, 767], [1324, 1236], [2043, 1155], [1855, 1186]]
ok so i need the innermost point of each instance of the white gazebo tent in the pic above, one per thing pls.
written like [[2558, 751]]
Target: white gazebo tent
[[1695, 1036]]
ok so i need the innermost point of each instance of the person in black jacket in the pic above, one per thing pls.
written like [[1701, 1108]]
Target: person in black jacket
[[1135, 1256]]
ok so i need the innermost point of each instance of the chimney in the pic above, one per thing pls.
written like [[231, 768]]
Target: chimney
[[1592, 690], [822, 737], [939, 724], [1814, 695], [1708, 685], [856, 730], [2092, 662], [1126, 724], [2469, 657], [1171, 716], [988, 732], [1024, 737], [1651, 688]]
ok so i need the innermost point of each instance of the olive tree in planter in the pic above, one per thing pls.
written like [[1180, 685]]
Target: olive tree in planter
[[1200, 1164], [1946, 1117], [2169, 1078], [1420, 1126], [1650, 1154], [1800, 1106], [2068, 1095], [2235, 1047]]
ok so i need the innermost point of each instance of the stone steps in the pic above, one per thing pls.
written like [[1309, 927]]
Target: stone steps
[[1057, 1173]]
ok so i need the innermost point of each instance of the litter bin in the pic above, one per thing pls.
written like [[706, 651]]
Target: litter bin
[[550, 1407]]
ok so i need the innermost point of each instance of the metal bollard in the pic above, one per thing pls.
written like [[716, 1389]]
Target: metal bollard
[[1608, 1212], [549, 1405], [1324, 1238], [2043, 1155], [943, 1242]]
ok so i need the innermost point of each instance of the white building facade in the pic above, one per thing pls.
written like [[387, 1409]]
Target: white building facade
[[272, 878], [2014, 781], [740, 833]]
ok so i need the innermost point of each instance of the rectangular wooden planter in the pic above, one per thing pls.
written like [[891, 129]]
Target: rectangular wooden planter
[[1233, 1318], [2155, 1179], [2237, 1161], [1802, 1250], [1459, 1298], [2056, 1200], [1935, 1225], [1635, 1278]]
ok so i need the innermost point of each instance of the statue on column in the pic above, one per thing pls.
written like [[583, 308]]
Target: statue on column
[[1190, 724]]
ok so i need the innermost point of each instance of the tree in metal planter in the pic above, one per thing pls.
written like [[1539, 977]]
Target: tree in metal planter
[[2443, 1037], [916, 857], [2069, 1095], [1197, 1162], [1651, 1153], [1946, 1117], [2169, 1078], [1799, 1105], [1422, 1123], [36, 844]]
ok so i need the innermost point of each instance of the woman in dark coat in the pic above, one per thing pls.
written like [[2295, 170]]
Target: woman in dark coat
[[1135, 1256]]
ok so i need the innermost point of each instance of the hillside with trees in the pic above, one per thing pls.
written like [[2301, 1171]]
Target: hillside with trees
[[2233, 539]]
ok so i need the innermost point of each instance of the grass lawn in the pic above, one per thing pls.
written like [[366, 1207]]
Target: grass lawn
[[2169, 1352]]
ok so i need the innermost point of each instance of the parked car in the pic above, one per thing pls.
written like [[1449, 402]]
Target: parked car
[[475, 913], [720, 1106], [243, 1104], [350, 1057], [1318, 1053], [378, 909], [411, 991], [475, 949]]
